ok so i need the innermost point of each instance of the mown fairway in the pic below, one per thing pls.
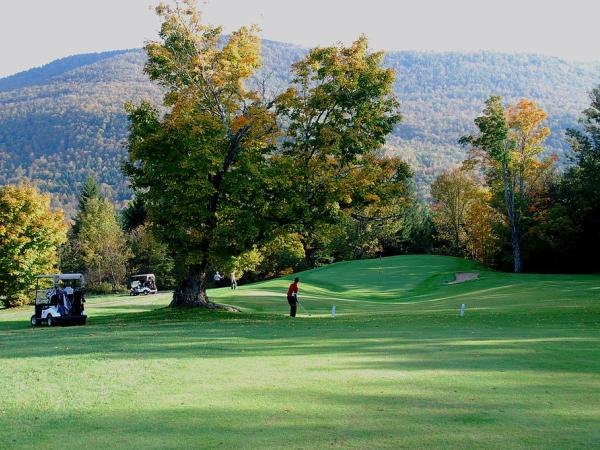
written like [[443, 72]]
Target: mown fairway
[[396, 368]]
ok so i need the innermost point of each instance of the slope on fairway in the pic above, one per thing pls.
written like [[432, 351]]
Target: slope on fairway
[[414, 285], [356, 286], [397, 368]]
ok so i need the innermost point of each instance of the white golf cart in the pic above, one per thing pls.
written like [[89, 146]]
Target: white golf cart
[[143, 284], [59, 299]]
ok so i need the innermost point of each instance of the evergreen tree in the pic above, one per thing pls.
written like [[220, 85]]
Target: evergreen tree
[[96, 244], [579, 193], [89, 191], [102, 245], [134, 214]]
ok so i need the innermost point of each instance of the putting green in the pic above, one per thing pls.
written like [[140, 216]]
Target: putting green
[[397, 367]]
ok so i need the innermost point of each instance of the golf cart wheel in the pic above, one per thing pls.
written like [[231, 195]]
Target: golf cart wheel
[[34, 321], [146, 292], [50, 320]]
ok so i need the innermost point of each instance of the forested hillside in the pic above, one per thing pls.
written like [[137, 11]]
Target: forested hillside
[[64, 120]]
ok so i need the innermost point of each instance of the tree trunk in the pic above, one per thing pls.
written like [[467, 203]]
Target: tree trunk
[[191, 291], [310, 251], [457, 251], [516, 245], [513, 218]]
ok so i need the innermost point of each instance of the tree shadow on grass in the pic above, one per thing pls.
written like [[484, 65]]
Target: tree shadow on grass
[[283, 417], [417, 342], [123, 307]]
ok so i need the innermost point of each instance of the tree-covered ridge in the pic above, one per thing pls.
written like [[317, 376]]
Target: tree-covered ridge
[[59, 131], [54, 70], [60, 122]]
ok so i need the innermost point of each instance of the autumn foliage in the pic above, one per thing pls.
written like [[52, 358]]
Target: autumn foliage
[[30, 235]]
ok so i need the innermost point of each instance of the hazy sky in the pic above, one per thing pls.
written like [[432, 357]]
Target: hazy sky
[[35, 32]]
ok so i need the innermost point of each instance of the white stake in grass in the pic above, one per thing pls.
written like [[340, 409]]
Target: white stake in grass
[[333, 312], [462, 310]]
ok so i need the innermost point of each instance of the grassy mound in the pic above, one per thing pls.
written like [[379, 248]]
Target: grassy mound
[[396, 368], [417, 285]]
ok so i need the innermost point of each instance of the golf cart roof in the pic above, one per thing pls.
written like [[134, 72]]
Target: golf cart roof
[[146, 275], [64, 276]]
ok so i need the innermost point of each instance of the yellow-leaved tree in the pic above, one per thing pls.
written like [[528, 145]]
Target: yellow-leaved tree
[[464, 216], [30, 235]]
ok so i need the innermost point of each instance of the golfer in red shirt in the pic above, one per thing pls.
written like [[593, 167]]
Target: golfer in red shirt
[[292, 297]]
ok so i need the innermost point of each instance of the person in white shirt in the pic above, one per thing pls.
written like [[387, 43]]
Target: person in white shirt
[[217, 279], [68, 297], [50, 294]]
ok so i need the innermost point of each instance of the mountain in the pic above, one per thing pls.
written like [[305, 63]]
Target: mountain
[[64, 120]]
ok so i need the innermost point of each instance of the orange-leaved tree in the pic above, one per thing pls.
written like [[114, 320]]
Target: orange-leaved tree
[[508, 147]]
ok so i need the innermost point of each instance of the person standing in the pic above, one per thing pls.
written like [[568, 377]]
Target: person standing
[[292, 297], [233, 281], [217, 279], [69, 298], [62, 300]]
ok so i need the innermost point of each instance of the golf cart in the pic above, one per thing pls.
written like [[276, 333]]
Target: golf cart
[[59, 299], [143, 284]]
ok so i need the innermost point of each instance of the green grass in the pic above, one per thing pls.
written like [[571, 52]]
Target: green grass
[[396, 368]]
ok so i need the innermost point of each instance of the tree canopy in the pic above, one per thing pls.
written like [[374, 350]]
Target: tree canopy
[[228, 167], [338, 111], [199, 168]]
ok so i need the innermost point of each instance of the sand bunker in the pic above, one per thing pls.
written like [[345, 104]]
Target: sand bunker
[[461, 277]]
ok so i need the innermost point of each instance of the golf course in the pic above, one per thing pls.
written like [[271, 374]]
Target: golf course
[[397, 367]]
